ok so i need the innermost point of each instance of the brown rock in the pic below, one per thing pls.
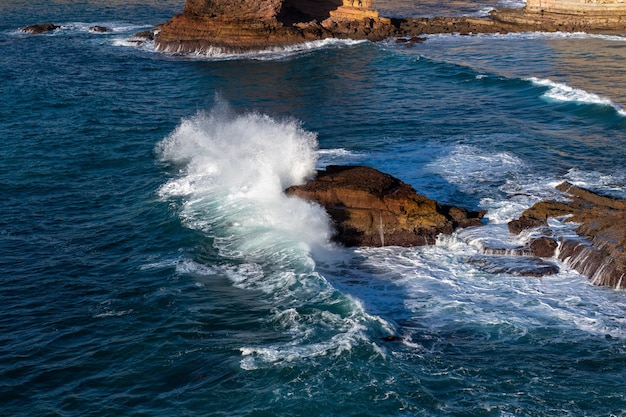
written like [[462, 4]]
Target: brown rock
[[370, 208], [599, 253], [543, 246], [239, 26], [236, 26], [40, 28]]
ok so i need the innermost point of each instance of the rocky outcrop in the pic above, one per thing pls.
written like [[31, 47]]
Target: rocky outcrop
[[236, 26], [240, 26], [547, 21], [600, 252], [370, 208], [40, 28]]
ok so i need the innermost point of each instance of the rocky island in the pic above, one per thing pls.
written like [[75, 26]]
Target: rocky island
[[240, 26]]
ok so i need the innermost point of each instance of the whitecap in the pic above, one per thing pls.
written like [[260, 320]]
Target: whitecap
[[337, 156], [563, 92]]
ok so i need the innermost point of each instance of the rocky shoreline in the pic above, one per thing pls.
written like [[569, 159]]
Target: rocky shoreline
[[599, 250], [370, 208], [236, 27], [230, 26]]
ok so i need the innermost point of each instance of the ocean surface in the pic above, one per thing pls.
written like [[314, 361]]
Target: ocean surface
[[150, 264]]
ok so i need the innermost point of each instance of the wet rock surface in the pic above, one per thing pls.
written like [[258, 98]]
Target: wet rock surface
[[370, 208], [599, 252], [40, 28]]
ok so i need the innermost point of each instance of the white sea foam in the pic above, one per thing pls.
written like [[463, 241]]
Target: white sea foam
[[435, 294], [337, 156], [613, 184], [563, 92], [272, 53], [232, 170]]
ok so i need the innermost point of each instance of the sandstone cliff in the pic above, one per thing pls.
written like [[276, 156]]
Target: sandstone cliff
[[370, 208]]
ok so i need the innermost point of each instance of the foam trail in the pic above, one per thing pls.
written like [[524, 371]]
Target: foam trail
[[272, 53], [563, 92]]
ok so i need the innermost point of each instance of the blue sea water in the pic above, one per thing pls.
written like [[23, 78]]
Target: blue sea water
[[150, 264]]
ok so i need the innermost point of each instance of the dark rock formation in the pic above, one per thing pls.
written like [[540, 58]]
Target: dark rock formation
[[370, 208], [40, 28], [599, 254]]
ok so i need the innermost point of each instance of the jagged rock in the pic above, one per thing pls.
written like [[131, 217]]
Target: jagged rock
[[144, 35], [40, 28], [600, 253], [371, 208]]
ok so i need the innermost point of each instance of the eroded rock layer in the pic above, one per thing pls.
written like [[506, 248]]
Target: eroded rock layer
[[240, 26], [600, 254], [370, 208], [236, 26]]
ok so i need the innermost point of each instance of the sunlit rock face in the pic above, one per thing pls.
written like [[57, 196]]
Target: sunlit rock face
[[239, 26], [371, 208], [578, 7], [594, 16]]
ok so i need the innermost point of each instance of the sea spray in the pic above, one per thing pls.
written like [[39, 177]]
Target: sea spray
[[232, 172]]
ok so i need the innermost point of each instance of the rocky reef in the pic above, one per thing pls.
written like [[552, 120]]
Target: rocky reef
[[598, 250], [370, 208]]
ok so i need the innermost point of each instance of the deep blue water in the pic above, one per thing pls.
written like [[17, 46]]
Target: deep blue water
[[150, 264]]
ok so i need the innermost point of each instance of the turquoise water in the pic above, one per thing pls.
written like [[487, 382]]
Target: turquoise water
[[150, 264]]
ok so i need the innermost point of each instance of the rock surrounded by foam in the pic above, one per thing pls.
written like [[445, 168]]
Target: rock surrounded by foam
[[370, 208], [602, 224], [40, 28]]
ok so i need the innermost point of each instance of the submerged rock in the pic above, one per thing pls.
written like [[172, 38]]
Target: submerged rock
[[40, 28], [599, 253], [99, 29], [370, 208], [528, 266]]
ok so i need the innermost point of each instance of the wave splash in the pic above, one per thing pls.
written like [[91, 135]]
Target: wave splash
[[232, 173]]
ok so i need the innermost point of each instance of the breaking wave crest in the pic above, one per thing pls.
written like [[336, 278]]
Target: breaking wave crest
[[232, 173], [563, 92]]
